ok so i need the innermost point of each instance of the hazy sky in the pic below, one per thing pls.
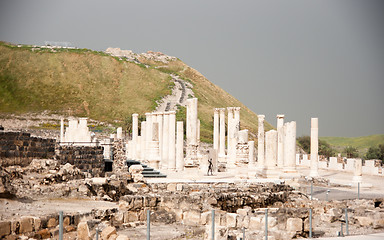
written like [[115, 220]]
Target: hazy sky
[[300, 58]]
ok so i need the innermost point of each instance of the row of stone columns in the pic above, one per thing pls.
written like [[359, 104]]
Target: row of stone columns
[[277, 149], [157, 142]]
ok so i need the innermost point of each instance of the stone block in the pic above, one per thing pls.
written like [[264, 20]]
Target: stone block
[[242, 211], [52, 222], [83, 231], [108, 232], [364, 221], [294, 225], [232, 220], [171, 187], [26, 224], [36, 223], [43, 234], [255, 223], [191, 217], [378, 223], [15, 226], [5, 229], [179, 187], [272, 222], [130, 216], [113, 237], [122, 237], [66, 221]]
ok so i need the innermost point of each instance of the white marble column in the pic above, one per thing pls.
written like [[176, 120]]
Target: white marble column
[[159, 119], [231, 154], [135, 126], [280, 141], [154, 156], [192, 121], [198, 131], [271, 154], [222, 133], [165, 152], [61, 130], [290, 148], [148, 132], [119, 133], [171, 139], [358, 171], [314, 147], [143, 143], [251, 159], [216, 139], [260, 143], [180, 147]]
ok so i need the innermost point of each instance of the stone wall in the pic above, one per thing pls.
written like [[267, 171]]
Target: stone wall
[[87, 159], [18, 148]]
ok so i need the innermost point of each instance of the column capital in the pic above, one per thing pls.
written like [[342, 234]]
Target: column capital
[[216, 110], [280, 116], [231, 109], [237, 108], [261, 117]]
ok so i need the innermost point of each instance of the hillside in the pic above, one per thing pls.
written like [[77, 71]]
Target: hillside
[[361, 143], [82, 82]]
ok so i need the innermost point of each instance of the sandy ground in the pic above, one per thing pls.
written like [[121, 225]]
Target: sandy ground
[[13, 209]]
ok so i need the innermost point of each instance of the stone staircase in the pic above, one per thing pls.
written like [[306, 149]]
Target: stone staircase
[[148, 172]]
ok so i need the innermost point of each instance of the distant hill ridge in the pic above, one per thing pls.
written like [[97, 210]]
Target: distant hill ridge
[[104, 85]]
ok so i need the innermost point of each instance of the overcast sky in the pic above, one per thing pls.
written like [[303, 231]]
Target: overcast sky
[[300, 58]]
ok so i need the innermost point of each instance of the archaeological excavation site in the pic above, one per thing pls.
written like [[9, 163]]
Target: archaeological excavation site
[[160, 182], [194, 163]]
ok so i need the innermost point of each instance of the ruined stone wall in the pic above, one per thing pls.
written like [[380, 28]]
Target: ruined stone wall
[[87, 159], [18, 148]]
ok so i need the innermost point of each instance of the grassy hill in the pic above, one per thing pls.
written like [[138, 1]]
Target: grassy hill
[[82, 82], [361, 143]]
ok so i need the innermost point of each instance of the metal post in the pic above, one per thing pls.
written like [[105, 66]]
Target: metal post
[[213, 224], [346, 222], [341, 230], [266, 224], [148, 224], [243, 233], [61, 225], [358, 190], [97, 233], [310, 223], [311, 190]]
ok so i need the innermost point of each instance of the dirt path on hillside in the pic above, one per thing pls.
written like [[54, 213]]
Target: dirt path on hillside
[[180, 93]]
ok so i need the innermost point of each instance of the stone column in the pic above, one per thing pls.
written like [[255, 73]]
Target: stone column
[[290, 148], [216, 139], [61, 130], [231, 153], [148, 132], [159, 119], [165, 152], [251, 159], [135, 129], [154, 156], [314, 147], [198, 131], [119, 133], [260, 143], [171, 139], [271, 154], [222, 133], [180, 147], [358, 173], [280, 141], [143, 143], [192, 121]]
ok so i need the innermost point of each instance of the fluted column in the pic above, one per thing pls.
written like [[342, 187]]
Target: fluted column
[[314, 147], [290, 147], [165, 152], [216, 138], [171, 139], [180, 147], [159, 119], [280, 141], [222, 133], [251, 160], [260, 143], [148, 133], [143, 141], [61, 130]]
